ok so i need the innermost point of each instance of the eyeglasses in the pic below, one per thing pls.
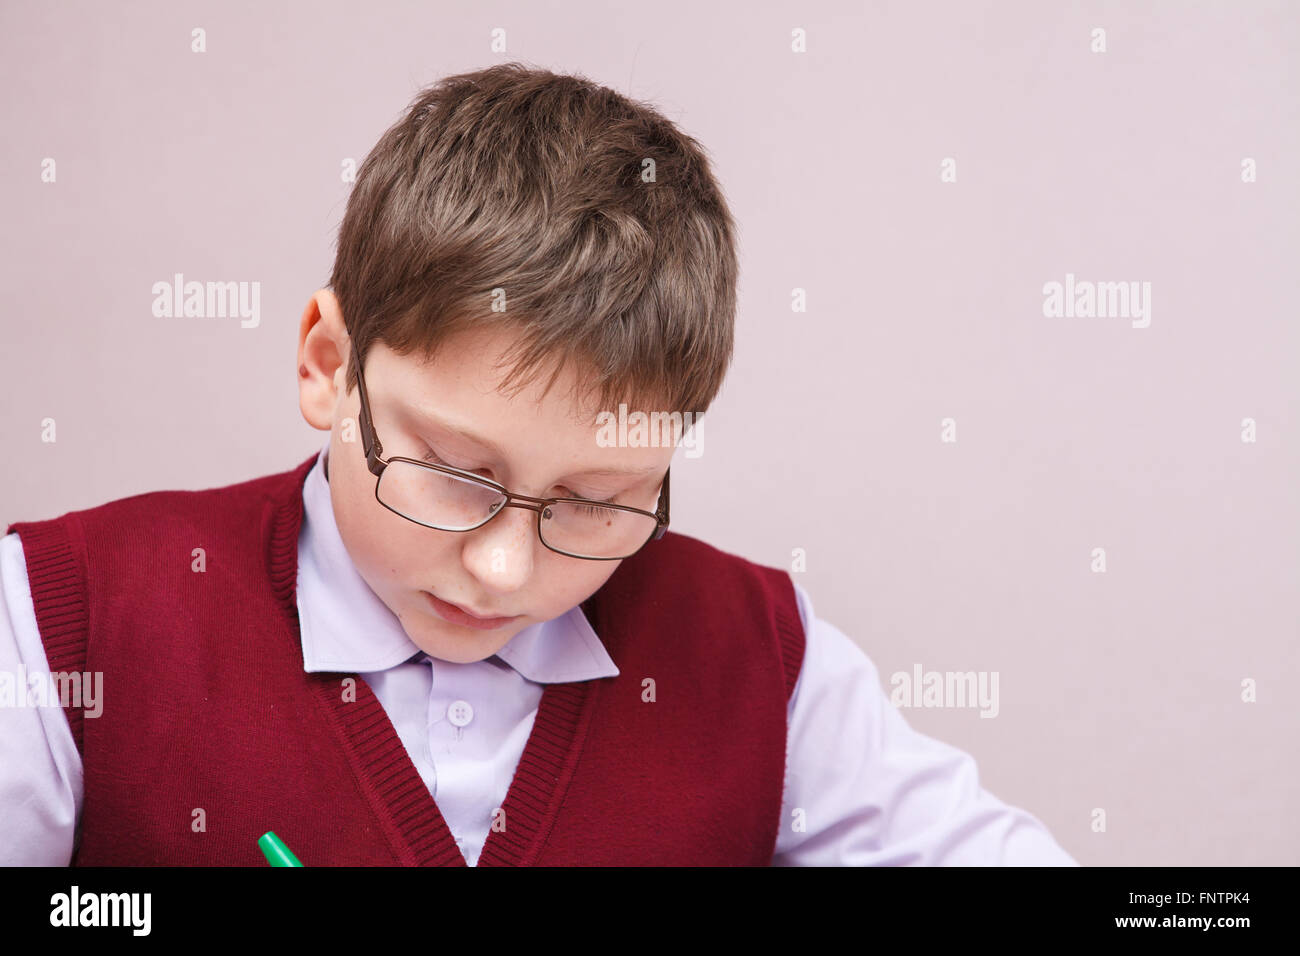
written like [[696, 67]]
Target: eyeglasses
[[449, 499]]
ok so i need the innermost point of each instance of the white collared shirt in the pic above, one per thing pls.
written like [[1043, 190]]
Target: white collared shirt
[[862, 787]]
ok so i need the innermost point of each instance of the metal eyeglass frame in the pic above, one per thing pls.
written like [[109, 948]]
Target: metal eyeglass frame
[[376, 463]]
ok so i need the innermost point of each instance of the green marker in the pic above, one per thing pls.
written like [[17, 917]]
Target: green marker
[[276, 853]]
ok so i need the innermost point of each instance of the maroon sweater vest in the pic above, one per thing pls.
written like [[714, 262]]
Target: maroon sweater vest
[[212, 734]]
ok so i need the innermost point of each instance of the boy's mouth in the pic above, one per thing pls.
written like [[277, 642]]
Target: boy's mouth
[[453, 614]]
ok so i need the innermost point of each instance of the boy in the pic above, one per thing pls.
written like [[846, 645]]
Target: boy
[[462, 633]]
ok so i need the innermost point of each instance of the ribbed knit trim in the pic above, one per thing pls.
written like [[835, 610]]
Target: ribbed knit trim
[[411, 821], [543, 775], [281, 523], [793, 639], [54, 571]]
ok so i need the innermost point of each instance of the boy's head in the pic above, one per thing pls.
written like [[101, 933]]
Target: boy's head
[[522, 251]]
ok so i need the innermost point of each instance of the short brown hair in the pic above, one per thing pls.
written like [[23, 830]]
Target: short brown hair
[[529, 181]]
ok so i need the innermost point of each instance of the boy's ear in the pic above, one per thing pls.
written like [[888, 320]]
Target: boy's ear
[[322, 348]]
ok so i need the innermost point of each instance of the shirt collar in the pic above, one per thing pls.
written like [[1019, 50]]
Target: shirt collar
[[346, 627]]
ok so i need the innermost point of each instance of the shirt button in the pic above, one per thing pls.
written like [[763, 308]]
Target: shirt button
[[460, 713]]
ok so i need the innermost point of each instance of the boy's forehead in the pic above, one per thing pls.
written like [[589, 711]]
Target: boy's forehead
[[472, 371], [455, 394]]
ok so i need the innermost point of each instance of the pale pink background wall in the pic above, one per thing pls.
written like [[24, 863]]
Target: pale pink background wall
[[1119, 690]]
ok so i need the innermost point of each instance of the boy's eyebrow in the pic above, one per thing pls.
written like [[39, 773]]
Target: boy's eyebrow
[[470, 436]]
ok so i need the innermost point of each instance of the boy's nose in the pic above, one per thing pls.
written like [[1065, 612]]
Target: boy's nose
[[502, 550]]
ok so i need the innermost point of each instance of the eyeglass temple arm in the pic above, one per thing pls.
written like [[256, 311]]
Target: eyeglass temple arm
[[663, 508], [369, 440]]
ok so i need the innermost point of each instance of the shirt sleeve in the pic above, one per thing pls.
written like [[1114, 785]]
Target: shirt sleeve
[[863, 788], [40, 769]]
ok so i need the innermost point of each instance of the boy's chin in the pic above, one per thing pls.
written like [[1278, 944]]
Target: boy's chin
[[468, 649], [463, 645]]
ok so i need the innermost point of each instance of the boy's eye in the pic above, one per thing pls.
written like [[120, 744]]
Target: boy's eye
[[432, 456]]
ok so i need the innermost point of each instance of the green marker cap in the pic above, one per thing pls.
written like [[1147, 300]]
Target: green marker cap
[[276, 853]]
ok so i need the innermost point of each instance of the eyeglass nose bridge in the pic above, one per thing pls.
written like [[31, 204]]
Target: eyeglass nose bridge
[[526, 502]]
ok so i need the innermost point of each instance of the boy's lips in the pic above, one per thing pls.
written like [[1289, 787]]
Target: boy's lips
[[455, 614]]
